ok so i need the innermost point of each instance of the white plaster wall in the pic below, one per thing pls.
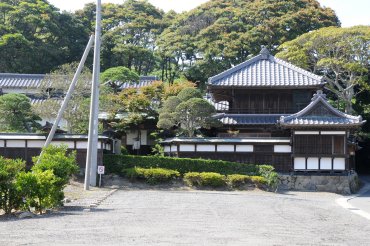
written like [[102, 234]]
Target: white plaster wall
[[206, 148], [306, 132], [282, 149], [244, 148], [187, 147], [70, 144], [144, 137], [35, 143], [2, 142], [313, 163], [173, 148], [16, 143], [225, 148], [167, 148], [333, 132], [325, 163], [339, 164], [299, 163], [81, 145]]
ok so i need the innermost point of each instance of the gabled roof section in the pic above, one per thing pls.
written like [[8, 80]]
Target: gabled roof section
[[20, 81], [264, 71], [320, 113]]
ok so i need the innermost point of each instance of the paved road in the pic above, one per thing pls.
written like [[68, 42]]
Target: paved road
[[363, 201], [145, 217]]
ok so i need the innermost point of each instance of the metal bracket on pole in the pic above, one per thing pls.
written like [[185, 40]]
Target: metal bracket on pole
[[91, 158], [69, 92]]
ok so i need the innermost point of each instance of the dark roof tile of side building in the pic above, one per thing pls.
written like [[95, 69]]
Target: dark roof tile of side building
[[19, 81], [33, 81], [264, 71], [320, 113]]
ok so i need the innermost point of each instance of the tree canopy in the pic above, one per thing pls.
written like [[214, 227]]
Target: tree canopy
[[35, 37], [188, 111], [16, 114], [340, 54], [222, 33]]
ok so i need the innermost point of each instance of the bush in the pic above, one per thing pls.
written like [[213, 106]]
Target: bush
[[238, 180], [205, 179], [39, 189], [57, 159], [9, 196], [152, 175], [259, 181], [117, 163], [271, 177]]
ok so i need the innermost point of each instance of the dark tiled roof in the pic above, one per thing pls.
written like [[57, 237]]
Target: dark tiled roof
[[320, 113], [26, 81], [225, 140], [144, 81], [248, 119], [266, 70]]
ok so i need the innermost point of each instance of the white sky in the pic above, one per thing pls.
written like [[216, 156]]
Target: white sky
[[350, 12]]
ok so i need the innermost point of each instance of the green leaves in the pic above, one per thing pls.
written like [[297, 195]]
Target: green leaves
[[42, 37], [188, 110], [340, 54], [229, 32], [9, 197], [19, 117]]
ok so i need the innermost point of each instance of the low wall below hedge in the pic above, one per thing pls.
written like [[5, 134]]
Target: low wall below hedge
[[116, 163], [342, 184]]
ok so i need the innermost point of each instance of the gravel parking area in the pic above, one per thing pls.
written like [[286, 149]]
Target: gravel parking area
[[150, 217]]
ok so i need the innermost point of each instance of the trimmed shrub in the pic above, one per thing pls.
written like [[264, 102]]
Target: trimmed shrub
[[271, 177], [9, 196], [152, 175], [116, 163], [259, 181], [39, 189], [57, 159], [238, 180], [205, 179]]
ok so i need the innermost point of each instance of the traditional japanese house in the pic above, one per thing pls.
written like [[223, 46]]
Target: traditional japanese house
[[274, 113]]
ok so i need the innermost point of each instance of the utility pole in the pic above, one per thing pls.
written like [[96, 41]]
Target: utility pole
[[92, 151], [69, 93]]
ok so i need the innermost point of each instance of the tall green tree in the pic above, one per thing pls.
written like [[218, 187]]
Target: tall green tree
[[342, 55], [223, 33], [129, 33], [35, 37], [16, 114]]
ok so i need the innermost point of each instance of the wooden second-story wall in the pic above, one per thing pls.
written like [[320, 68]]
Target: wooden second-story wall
[[266, 101]]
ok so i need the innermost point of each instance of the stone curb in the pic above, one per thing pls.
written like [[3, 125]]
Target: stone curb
[[102, 199], [344, 202]]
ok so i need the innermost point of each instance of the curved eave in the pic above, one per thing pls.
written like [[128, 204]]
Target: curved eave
[[212, 86], [346, 126]]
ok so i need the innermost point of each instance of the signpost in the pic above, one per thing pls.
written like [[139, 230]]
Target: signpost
[[101, 170]]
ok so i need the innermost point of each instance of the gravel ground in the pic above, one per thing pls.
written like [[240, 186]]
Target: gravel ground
[[152, 217]]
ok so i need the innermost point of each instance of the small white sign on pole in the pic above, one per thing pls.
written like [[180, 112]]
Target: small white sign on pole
[[101, 170]]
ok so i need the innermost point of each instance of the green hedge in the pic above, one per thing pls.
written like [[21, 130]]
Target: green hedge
[[116, 163], [151, 175], [205, 179]]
